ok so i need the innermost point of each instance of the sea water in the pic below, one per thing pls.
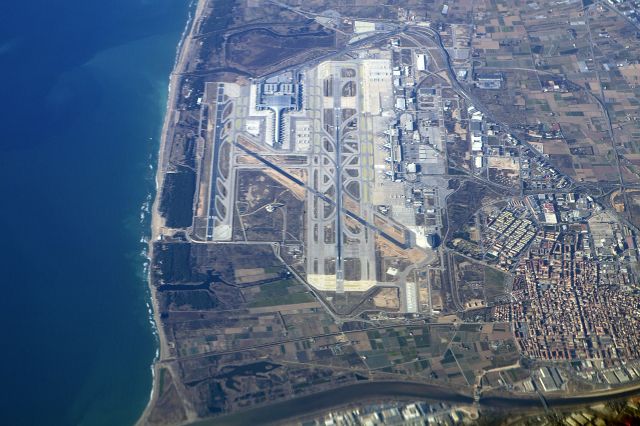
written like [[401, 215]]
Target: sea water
[[83, 89]]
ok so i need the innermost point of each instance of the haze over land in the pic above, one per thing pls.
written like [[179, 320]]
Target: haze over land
[[430, 202]]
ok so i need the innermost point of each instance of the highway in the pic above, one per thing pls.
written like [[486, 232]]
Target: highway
[[405, 390], [462, 91], [421, 31], [435, 37]]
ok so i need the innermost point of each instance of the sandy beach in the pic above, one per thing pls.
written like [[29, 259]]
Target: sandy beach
[[184, 55]]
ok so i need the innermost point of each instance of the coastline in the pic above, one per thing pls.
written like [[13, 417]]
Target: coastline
[[183, 55]]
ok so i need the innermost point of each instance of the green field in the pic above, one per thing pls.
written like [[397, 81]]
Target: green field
[[285, 292], [493, 283]]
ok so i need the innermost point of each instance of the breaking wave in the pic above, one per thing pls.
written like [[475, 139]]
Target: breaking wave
[[146, 206]]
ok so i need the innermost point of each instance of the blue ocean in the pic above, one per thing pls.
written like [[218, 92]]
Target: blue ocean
[[83, 87]]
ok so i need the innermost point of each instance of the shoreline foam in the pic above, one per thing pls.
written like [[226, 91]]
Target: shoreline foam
[[182, 52]]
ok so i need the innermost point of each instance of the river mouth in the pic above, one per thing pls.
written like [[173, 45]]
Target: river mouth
[[324, 401]]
